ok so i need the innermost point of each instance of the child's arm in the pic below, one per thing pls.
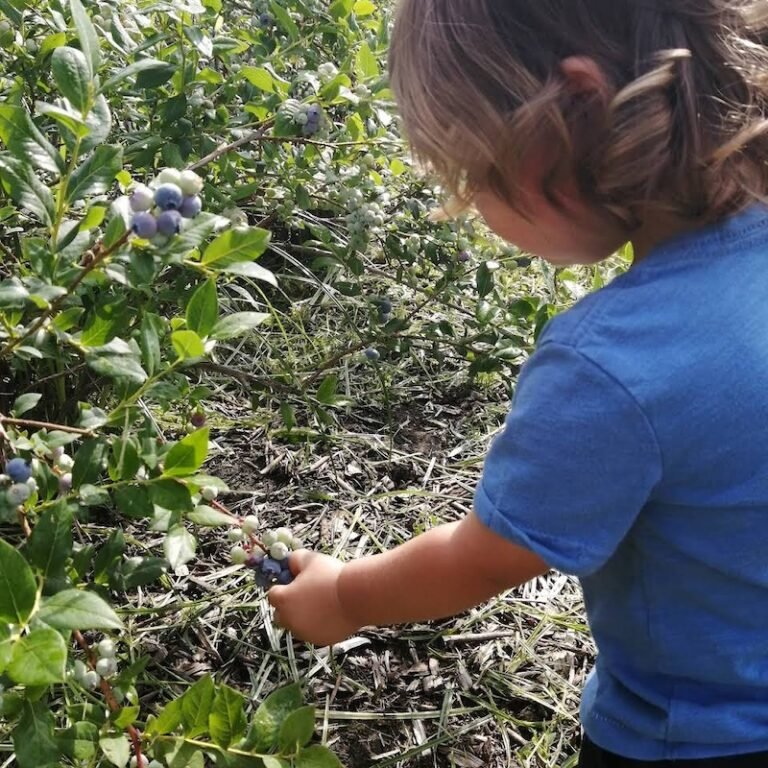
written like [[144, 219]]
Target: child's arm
[[445, 571]]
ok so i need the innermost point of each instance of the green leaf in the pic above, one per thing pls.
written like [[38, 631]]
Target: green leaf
[[196, 705], [117, 366], [365, 62], [239, 323], [18, 590], [117, 749], [208, 517], [275, 762], [171, 494], [105, 321], [24, 403], [89, 40], [270, 717], [13, 295], [78, 609], [26, 189], [79, 741], [284, 19], [155, 76], [203, 309], [249, 269], [7, 639], [88, 460], [187, 344], [50, 545], [227, 720], [187, 455], [297, 730], [96, 175], [188, 756], [180, 546], [39, 658], [236, 245], [167, 721], [317, 756], [25, 140], [327, 390], [259, 77], [152, 329], [143, 65], [133, 501], [33, 738], [72, 76]]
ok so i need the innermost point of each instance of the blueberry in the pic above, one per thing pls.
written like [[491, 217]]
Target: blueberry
[[106, 668], [145, 225], [279, 551], [106, 648], [169, 222], [142, 198], [314, 113], [285, 577], [285, 535], [18, 470], [169, 176], [255, 561], [65, 483], [265, 21], [271, 568], [191, 206], [372, 354], [168, 197], [238, 555], [385, 307], [464, 257], [250, 524], [197, 419], [18, 494]]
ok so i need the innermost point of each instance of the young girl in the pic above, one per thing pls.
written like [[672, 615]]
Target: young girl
[[635, 455]]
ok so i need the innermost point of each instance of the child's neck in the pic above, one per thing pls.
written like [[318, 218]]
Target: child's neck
[[657, 229]]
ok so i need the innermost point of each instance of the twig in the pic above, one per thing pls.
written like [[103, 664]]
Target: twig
[[44, 425], [98, 257], [109, 695]]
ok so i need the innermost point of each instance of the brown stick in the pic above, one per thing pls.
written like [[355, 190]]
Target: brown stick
[[45, 425]]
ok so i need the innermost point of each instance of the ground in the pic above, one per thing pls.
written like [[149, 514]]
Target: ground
[[496, 687]]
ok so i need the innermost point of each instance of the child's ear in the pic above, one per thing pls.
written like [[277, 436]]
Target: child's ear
[[583, 76]]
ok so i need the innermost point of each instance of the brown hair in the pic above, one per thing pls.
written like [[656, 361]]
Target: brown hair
[[686, 128]]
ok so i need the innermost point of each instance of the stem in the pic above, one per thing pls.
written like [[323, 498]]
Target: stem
[[46, 425], [109, 695], [98, 258]]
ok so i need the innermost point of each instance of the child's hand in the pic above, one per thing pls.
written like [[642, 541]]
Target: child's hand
[[310, 606]]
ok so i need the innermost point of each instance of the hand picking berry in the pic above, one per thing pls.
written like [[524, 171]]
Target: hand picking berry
[[18, 470]]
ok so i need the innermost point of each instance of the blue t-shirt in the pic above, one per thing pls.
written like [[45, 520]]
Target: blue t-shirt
[[635, 456]]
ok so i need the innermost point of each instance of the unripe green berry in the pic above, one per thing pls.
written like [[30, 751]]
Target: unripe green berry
[[209, 492], [106, 648], [169, 176], [279, 551], [285, 535], [268, 539], [190, 183], [106, 668], [80, 670], [91, 680], [250, 525], [238, 555], [139, 762], [65, 462], [235, 535]]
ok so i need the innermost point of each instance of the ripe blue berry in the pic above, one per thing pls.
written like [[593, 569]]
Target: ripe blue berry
[[169, 222], [385, 307], [168, 197], [255, 561], [142, 198], [265, 20], [285, 577], [191, 206], [464, 257], [18, 470], [145, 225], [197, 419], [314, 113], [271, 568], [372, 354], [65, 483]]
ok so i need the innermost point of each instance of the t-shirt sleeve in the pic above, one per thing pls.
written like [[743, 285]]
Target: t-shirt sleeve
[[574, 466]]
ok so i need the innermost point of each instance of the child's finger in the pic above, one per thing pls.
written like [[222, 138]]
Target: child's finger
[[276, 596], [299, 560]]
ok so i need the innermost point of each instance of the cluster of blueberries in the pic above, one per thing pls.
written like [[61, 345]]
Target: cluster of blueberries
[[19, 473], [270, 568], [310, 118], [105, 667], [160, 208]]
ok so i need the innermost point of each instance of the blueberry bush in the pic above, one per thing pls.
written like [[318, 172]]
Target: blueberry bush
[[181, 183]]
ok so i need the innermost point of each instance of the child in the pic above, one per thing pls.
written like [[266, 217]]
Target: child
[[635, 455]]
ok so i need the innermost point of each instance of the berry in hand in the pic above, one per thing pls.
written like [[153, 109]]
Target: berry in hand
[[145, 225], [250, 525], [285, 577], [169, 223], [271, 568], [279, 551], [238, 555], [168, 197], [191, 206], [18, 470]]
